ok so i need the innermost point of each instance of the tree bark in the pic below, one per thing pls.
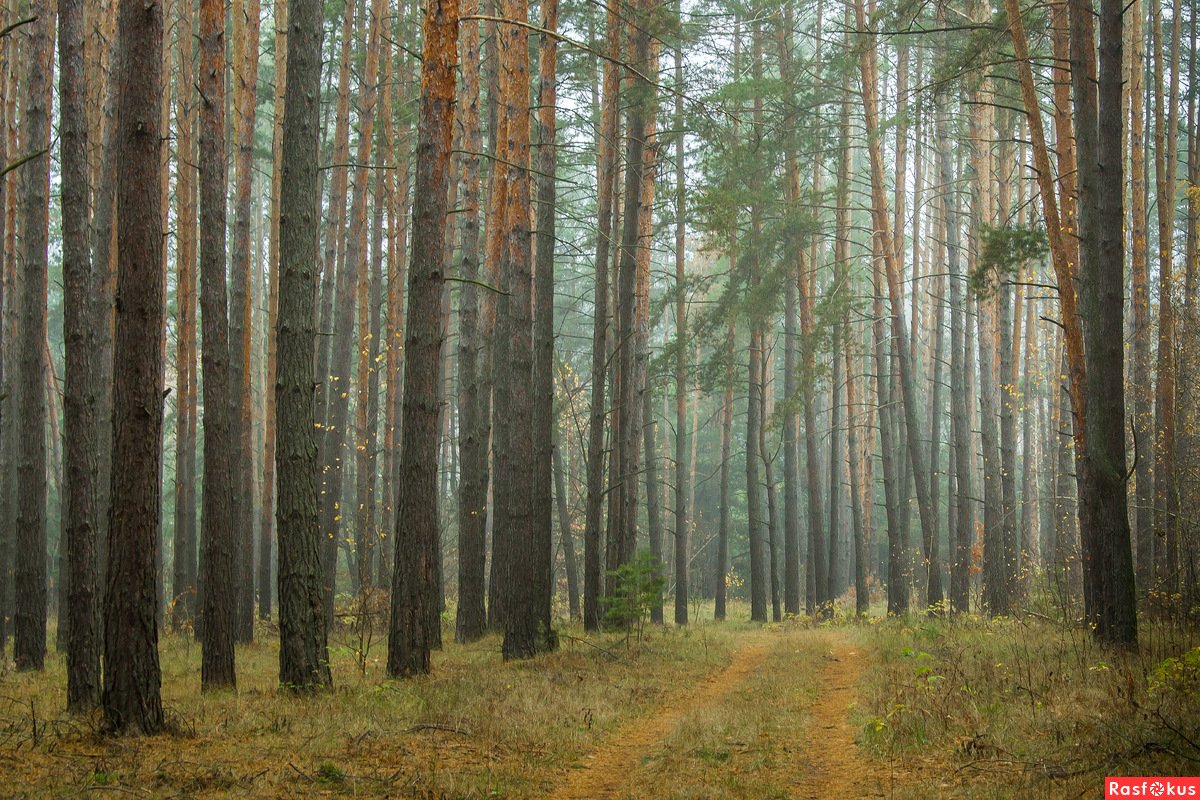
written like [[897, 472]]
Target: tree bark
[[270, 411], [132, 677], [606, 176], [218, 542], [683, 546], [183, 586], [79, 400], [413, 587], [471, 622], [29, 618], [303, 637], [245, 17]]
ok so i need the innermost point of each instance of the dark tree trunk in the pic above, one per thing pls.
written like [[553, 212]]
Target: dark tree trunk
[[413, 586], [540, 541], [566, 535], [29, 618], [218, 537], [132, 678], [244, 80], [471, 622], [303, 655], [1107, 560], [183, 584], [683, 547], [606, 175], [722, 570], [79, 400]]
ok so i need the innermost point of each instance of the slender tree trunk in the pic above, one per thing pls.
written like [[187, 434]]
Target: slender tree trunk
[[683, 541], [358, 259], [184, 579], [606, 172], [336, 321], [539, 544], [1108, 567], [413, 584], [471, 622], [270, 411], [303, 654], [245, 17], [132, 678], [567, 536], [722, 570], [1166, 167], [80, 439], [7, 268], [218, 542], [29, 618]]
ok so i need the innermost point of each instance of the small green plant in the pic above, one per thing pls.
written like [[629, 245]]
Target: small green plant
[[638, 586], [103, 778], [330, 773]]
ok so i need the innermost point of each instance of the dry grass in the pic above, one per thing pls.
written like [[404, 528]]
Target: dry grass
[[1026, 708], [476, 727]]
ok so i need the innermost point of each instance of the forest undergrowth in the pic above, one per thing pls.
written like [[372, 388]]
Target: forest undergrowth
[[963, 708]]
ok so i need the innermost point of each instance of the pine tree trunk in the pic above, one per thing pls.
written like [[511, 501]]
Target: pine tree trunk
[[132, 678], [218, 537], [471, 622], [606, 176], [183, 586], [303, 654], [1166, 167], [539, 543], [683, 545], [79, 400], [413, 587], [29, 618], [1108, 566], [337, 315]]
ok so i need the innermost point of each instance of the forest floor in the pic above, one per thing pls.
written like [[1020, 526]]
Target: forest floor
[[896, 709]]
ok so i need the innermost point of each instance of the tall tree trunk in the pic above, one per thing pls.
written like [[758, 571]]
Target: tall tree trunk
[[7, 268], [1139, 372], [132, 679], [29, 619], [791, 419], [539, 543], [270, 439], [683, 546], [606, 176], [358, 259], [916, 453], [245, 17], [183, 586], [79, 400], [218, 542], [719, 609], [413, 584], [336, 319], [1108, 565], [566, 535], [303, 637], [639, 158], [471, 622], [1166, 167]]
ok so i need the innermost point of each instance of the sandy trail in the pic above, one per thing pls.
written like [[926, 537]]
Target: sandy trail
[[608, 768], [828, 764]]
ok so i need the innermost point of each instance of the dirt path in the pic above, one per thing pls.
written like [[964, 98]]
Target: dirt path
[[608, 768], [824, 761], [828, 763]]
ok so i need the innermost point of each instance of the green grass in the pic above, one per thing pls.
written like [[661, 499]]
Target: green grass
[[968, 708], [1027, 708]]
